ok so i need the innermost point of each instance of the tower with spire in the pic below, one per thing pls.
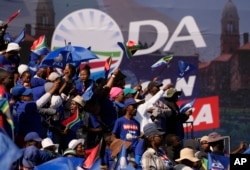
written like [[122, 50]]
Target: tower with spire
[[45, 19], [230, 37]]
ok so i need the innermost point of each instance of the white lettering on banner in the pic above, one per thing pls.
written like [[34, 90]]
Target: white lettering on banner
[[195, 35], [162, 31], [58, 64], [186, 87], [204, 116]]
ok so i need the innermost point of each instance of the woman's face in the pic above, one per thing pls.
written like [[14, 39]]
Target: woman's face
[[73, 106], [84, 75], [67, 71], [80, 150]]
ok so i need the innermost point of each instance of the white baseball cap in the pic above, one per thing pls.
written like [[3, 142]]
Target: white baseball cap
[[22, 68], [13, 47]]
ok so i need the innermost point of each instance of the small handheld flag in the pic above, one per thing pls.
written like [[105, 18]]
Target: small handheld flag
[[20, 37], [218, 162], [107, 66], [129, 48], [184, 68], [5, 110], [39, 46], [92, 158], [162, 62], [122, 161], [13, 16], [187, 106]]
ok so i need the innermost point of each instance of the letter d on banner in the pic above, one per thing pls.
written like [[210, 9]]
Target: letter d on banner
[[161, 32]]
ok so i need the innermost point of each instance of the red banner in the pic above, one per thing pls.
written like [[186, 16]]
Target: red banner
[[205, 115]]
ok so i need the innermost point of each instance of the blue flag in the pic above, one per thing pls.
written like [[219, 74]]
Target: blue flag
[[218, 162], [9, 152], [20, 37], [65, 163], [122, 161], [184, 68], [187, 106]]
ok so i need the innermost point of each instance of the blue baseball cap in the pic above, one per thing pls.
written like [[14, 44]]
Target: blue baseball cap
[[19, 90], [32, 136], [132, 101]]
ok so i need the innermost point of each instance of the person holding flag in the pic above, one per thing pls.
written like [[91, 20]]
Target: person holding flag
[[175, 120]]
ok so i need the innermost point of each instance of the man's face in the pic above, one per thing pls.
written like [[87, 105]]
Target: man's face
[[154, 90], [9, 80], [11, 54]]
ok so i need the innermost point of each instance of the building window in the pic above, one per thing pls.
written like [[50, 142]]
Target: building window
[[45, 20], [230, 27]]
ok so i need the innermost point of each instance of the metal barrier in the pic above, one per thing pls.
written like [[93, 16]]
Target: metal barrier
[[189, 129]]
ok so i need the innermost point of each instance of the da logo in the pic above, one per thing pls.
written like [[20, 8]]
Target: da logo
[[91, 28], [59, 58]]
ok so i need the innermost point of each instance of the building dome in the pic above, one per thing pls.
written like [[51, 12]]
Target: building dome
[[230, 11]]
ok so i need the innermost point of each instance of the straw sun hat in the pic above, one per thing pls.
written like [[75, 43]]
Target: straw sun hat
[[187, 153]]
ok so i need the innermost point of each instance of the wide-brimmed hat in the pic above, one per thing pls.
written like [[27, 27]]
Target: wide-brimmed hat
[[214, 137], [187, 153], [79, 99], [13, 47], [47, 142], [171, 91], [151, 129], [74, 142], [116, 146]]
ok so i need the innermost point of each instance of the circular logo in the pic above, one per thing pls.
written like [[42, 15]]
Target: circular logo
[[94, 29]]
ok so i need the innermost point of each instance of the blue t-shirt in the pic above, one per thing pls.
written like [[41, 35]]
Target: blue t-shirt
[[35, 81], [127, 130], [28, 118], [10, 65], [85, 89], [38, 92]]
